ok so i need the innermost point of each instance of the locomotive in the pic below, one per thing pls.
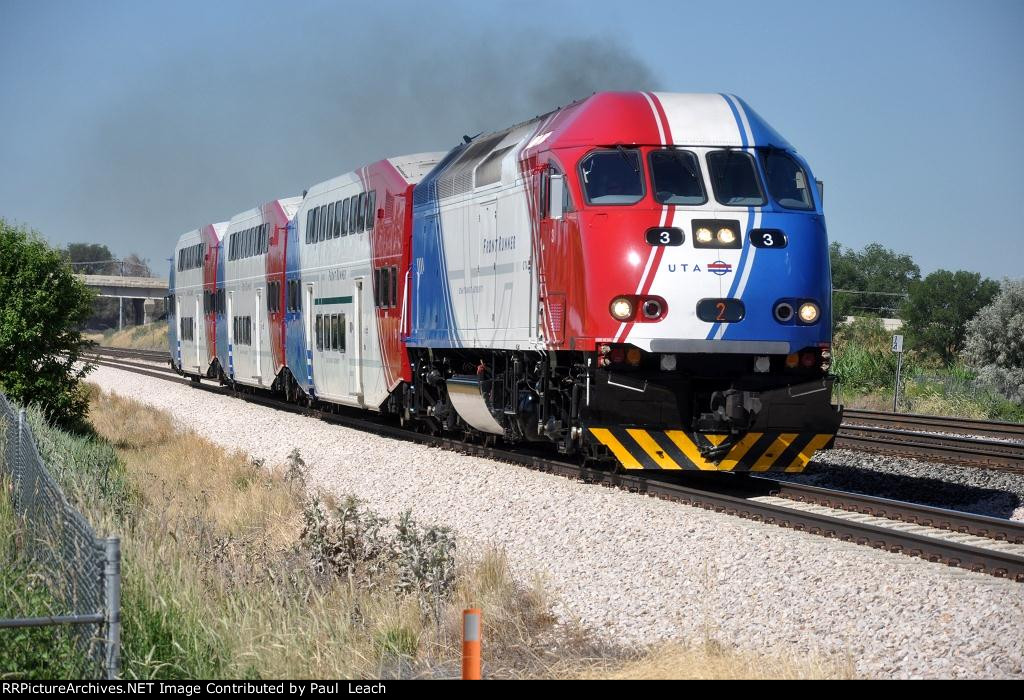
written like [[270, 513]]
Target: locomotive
[[640, 278]]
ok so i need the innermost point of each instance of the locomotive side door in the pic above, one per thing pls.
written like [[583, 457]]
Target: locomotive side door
[[484, 276]]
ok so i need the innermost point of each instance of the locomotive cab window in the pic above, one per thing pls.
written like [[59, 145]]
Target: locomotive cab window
[[788, 183], [676, 178], [734, 179], [612, 177]]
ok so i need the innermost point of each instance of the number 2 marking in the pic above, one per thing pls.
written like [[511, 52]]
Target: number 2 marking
[[721, 311]]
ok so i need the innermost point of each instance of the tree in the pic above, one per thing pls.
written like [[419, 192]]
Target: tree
[[135, 266], [870, 281], [42, 306], [92, 259], [995, 341], [938, 308]]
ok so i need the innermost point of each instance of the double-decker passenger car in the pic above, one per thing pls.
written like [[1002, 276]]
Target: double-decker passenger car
[[348, 283], [192, 286], [252, 303]]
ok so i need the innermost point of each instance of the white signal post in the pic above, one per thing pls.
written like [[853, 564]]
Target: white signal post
[[897, 347]]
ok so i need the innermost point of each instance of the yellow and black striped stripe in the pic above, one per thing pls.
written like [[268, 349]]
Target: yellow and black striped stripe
[[636, 448]]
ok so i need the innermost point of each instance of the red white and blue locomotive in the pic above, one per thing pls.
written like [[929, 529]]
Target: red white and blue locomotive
[[641, 277]]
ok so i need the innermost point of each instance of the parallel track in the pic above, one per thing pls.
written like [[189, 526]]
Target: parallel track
[[991, 546], [910, 421]]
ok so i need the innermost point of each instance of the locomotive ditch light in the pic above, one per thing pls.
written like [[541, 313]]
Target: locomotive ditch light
[[652, 309], [762, 364], [704, 235], [726, 236], [622, 308], [783, 312], [668, 363], [809, 312]]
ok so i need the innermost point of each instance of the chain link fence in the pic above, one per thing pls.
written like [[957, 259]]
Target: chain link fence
[[82, 571]]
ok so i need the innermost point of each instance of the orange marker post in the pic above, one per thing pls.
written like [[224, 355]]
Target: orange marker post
[[471, 644]]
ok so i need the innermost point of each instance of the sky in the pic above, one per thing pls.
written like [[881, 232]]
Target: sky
[[129, 122]]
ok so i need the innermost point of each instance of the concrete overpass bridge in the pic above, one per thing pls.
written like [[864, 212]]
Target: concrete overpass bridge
[[142, 292]]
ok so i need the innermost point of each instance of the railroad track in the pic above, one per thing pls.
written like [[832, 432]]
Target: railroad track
[[991, 445], [133, 353], [910, 421], [937, 446], [978, 543]]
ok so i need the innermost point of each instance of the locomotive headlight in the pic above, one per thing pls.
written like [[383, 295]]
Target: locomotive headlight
[[726, 236], [809, 312], [703, 235], [668, 363], [622, 308]]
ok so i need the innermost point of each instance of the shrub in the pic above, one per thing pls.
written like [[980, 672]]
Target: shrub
[[864, 360], [42, 307], [995, 341]]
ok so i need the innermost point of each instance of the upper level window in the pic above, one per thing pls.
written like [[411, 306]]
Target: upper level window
[[787, 181], [734, 179], [612, 177], [676, 177]]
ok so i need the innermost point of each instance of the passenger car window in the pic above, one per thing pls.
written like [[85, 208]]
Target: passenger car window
[[371, 210]]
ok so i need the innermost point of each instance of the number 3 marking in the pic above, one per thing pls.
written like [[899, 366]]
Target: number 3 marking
[[666, 237], [768, 240]]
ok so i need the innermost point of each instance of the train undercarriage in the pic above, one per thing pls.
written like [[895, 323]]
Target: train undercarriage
[[641, 410], [620, 406]]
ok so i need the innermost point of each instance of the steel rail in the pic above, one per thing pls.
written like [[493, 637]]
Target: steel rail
[[950, 449], [998, 429]]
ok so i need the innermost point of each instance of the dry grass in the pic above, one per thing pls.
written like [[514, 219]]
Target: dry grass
[[217, 584], [213, 562], [152, 336]]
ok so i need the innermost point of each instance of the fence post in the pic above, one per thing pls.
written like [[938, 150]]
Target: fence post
[[112, 608], [471, 644], [19, 457]]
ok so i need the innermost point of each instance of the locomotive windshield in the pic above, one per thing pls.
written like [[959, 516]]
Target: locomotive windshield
[[734, 179], [612, 177], [676, 177], [787, 181]]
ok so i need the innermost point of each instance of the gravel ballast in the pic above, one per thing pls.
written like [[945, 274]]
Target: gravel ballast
[[992, 492], [635, 570]]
